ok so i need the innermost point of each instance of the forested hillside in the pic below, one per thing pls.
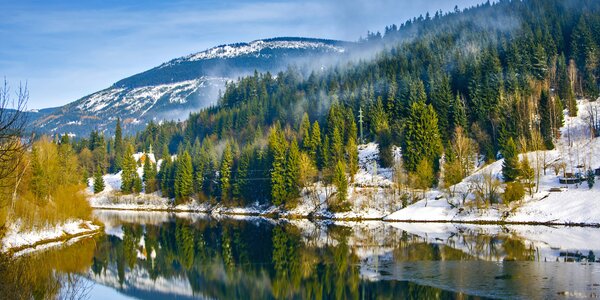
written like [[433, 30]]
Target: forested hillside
[[490, 80]]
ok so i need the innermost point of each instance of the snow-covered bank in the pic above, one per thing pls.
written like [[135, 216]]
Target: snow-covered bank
[[551, 202], [372, 195], [19, 242]]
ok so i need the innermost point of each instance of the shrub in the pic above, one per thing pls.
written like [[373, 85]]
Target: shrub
[[514, 191]]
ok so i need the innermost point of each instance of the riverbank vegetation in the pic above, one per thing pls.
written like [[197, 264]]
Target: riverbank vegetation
[[40, 184]]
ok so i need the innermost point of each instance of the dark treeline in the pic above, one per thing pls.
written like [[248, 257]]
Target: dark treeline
[[496, 77]]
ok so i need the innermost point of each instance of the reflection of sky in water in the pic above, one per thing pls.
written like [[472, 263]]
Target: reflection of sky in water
[[161, 255], [99, 291]]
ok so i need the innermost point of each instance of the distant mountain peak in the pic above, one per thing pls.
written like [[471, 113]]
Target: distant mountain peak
[[255, 48]]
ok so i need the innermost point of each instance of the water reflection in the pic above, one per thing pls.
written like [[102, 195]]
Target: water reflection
[[57, 274], [162, 255]]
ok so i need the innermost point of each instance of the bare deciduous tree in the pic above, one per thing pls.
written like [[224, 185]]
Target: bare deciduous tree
[[12, 126]]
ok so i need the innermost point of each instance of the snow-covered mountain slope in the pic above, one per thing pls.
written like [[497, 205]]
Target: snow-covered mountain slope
[[174, 89], [257, 48]]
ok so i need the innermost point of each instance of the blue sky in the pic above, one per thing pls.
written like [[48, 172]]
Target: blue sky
[[65, 50]]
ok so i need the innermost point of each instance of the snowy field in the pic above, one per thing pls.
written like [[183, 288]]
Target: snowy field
[[565, 204]]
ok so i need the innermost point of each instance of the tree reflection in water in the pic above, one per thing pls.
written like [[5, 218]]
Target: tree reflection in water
[[55, 274], [230, 259], [256, 258]]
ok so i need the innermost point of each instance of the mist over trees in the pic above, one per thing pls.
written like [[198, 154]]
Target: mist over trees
[[454, 85]]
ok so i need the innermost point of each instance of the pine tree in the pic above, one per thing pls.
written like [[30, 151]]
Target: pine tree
[[337, 145], [559, 117], [118, 148], [183, 178], [241, 187], [225, 173], [163, 175], [149, 176], [98, 182], [293, 174], [304, 131], [510, 166], [378, 117], [315, 142], [527, 174], [540, 63], [416, 92], [421, 136], [341, 183], [137, 185], [458, 114], [441, 99], [129, 171], [277, 151], [352, 157], [546, 122]]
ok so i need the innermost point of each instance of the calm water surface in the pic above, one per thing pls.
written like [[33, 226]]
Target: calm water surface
[[146, 255]]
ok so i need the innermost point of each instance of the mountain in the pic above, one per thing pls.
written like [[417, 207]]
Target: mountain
[[174, 89]]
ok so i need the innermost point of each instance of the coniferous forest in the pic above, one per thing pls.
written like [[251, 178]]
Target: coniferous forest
[[490, 80], [466, 140]]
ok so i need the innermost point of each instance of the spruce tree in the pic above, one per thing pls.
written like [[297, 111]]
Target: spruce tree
[[421, 136], [352, 157], [386, 155], [225, 173], [458, 114], [337, 145], [547, 120], [315, 142], [98, 182], [293, 173], [149, 176], [341, 183], [137, 185], [118, 147], [441, 99], [510, 166], [129, 171], [241, 187], [277, 151], [304, 131], [183, 178]]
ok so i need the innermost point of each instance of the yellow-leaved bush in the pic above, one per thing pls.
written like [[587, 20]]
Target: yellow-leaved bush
[[48, 187]]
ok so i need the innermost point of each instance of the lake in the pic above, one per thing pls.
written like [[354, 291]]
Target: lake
[[158, 255]]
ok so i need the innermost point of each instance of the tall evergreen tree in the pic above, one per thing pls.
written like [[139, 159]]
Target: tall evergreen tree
[[293, 173], [149, 176], [441, 99], [277, 151], [98, 182], [304, 131], [547, 120], [421, 136], [510, 166], [458, 114], [341, 183], [118, 147], [352, 157], [315, 141], [129, 171], [225, 173], [183, 178]]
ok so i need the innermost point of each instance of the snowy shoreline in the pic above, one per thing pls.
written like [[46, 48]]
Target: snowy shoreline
[[373, 196], [18, 243], [284, 216]]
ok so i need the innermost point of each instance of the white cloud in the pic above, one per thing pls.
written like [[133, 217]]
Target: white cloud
[[66, 52]]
